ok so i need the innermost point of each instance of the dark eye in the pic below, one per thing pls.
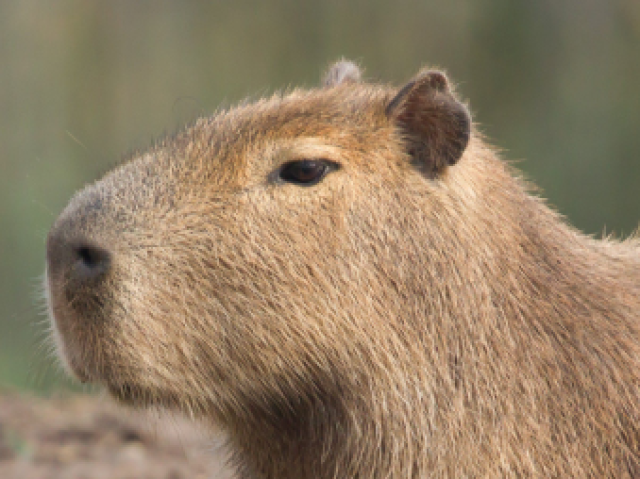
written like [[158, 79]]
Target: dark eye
[[304, 172]]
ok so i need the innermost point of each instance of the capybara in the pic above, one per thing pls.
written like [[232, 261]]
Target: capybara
[[351, 283]]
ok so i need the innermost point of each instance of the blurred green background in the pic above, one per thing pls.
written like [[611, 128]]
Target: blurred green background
[[553, 82]]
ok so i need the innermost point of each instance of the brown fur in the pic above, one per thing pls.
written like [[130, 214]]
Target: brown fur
[[410, 316]]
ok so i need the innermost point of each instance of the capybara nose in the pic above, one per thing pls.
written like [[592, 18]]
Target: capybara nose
[[78, 260]]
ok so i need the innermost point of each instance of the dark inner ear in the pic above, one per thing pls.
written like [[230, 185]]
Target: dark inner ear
[[435, 125]]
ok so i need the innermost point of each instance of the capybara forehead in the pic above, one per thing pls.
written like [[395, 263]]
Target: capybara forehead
[[347, 109], [351, 112]]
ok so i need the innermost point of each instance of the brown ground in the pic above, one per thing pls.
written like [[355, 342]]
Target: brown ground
[[76, 437]]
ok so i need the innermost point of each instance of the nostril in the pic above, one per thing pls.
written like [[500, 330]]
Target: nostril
[[91, 257], [92, 261]]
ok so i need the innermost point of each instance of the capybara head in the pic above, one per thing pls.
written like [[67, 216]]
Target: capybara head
[[246, 255], [327, 267]]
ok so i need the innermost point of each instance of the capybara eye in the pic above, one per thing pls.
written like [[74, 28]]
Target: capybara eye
[[304, 172]]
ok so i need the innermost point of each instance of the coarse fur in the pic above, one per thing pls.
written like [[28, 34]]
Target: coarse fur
[[417, 313]]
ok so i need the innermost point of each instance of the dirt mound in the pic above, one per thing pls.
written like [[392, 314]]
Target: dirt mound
[[76, 437]]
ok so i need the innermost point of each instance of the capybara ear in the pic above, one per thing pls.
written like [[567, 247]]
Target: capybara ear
[[340, 72], [436, 126]]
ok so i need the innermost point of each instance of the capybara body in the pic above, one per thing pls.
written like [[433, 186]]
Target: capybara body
[[351, 283]]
